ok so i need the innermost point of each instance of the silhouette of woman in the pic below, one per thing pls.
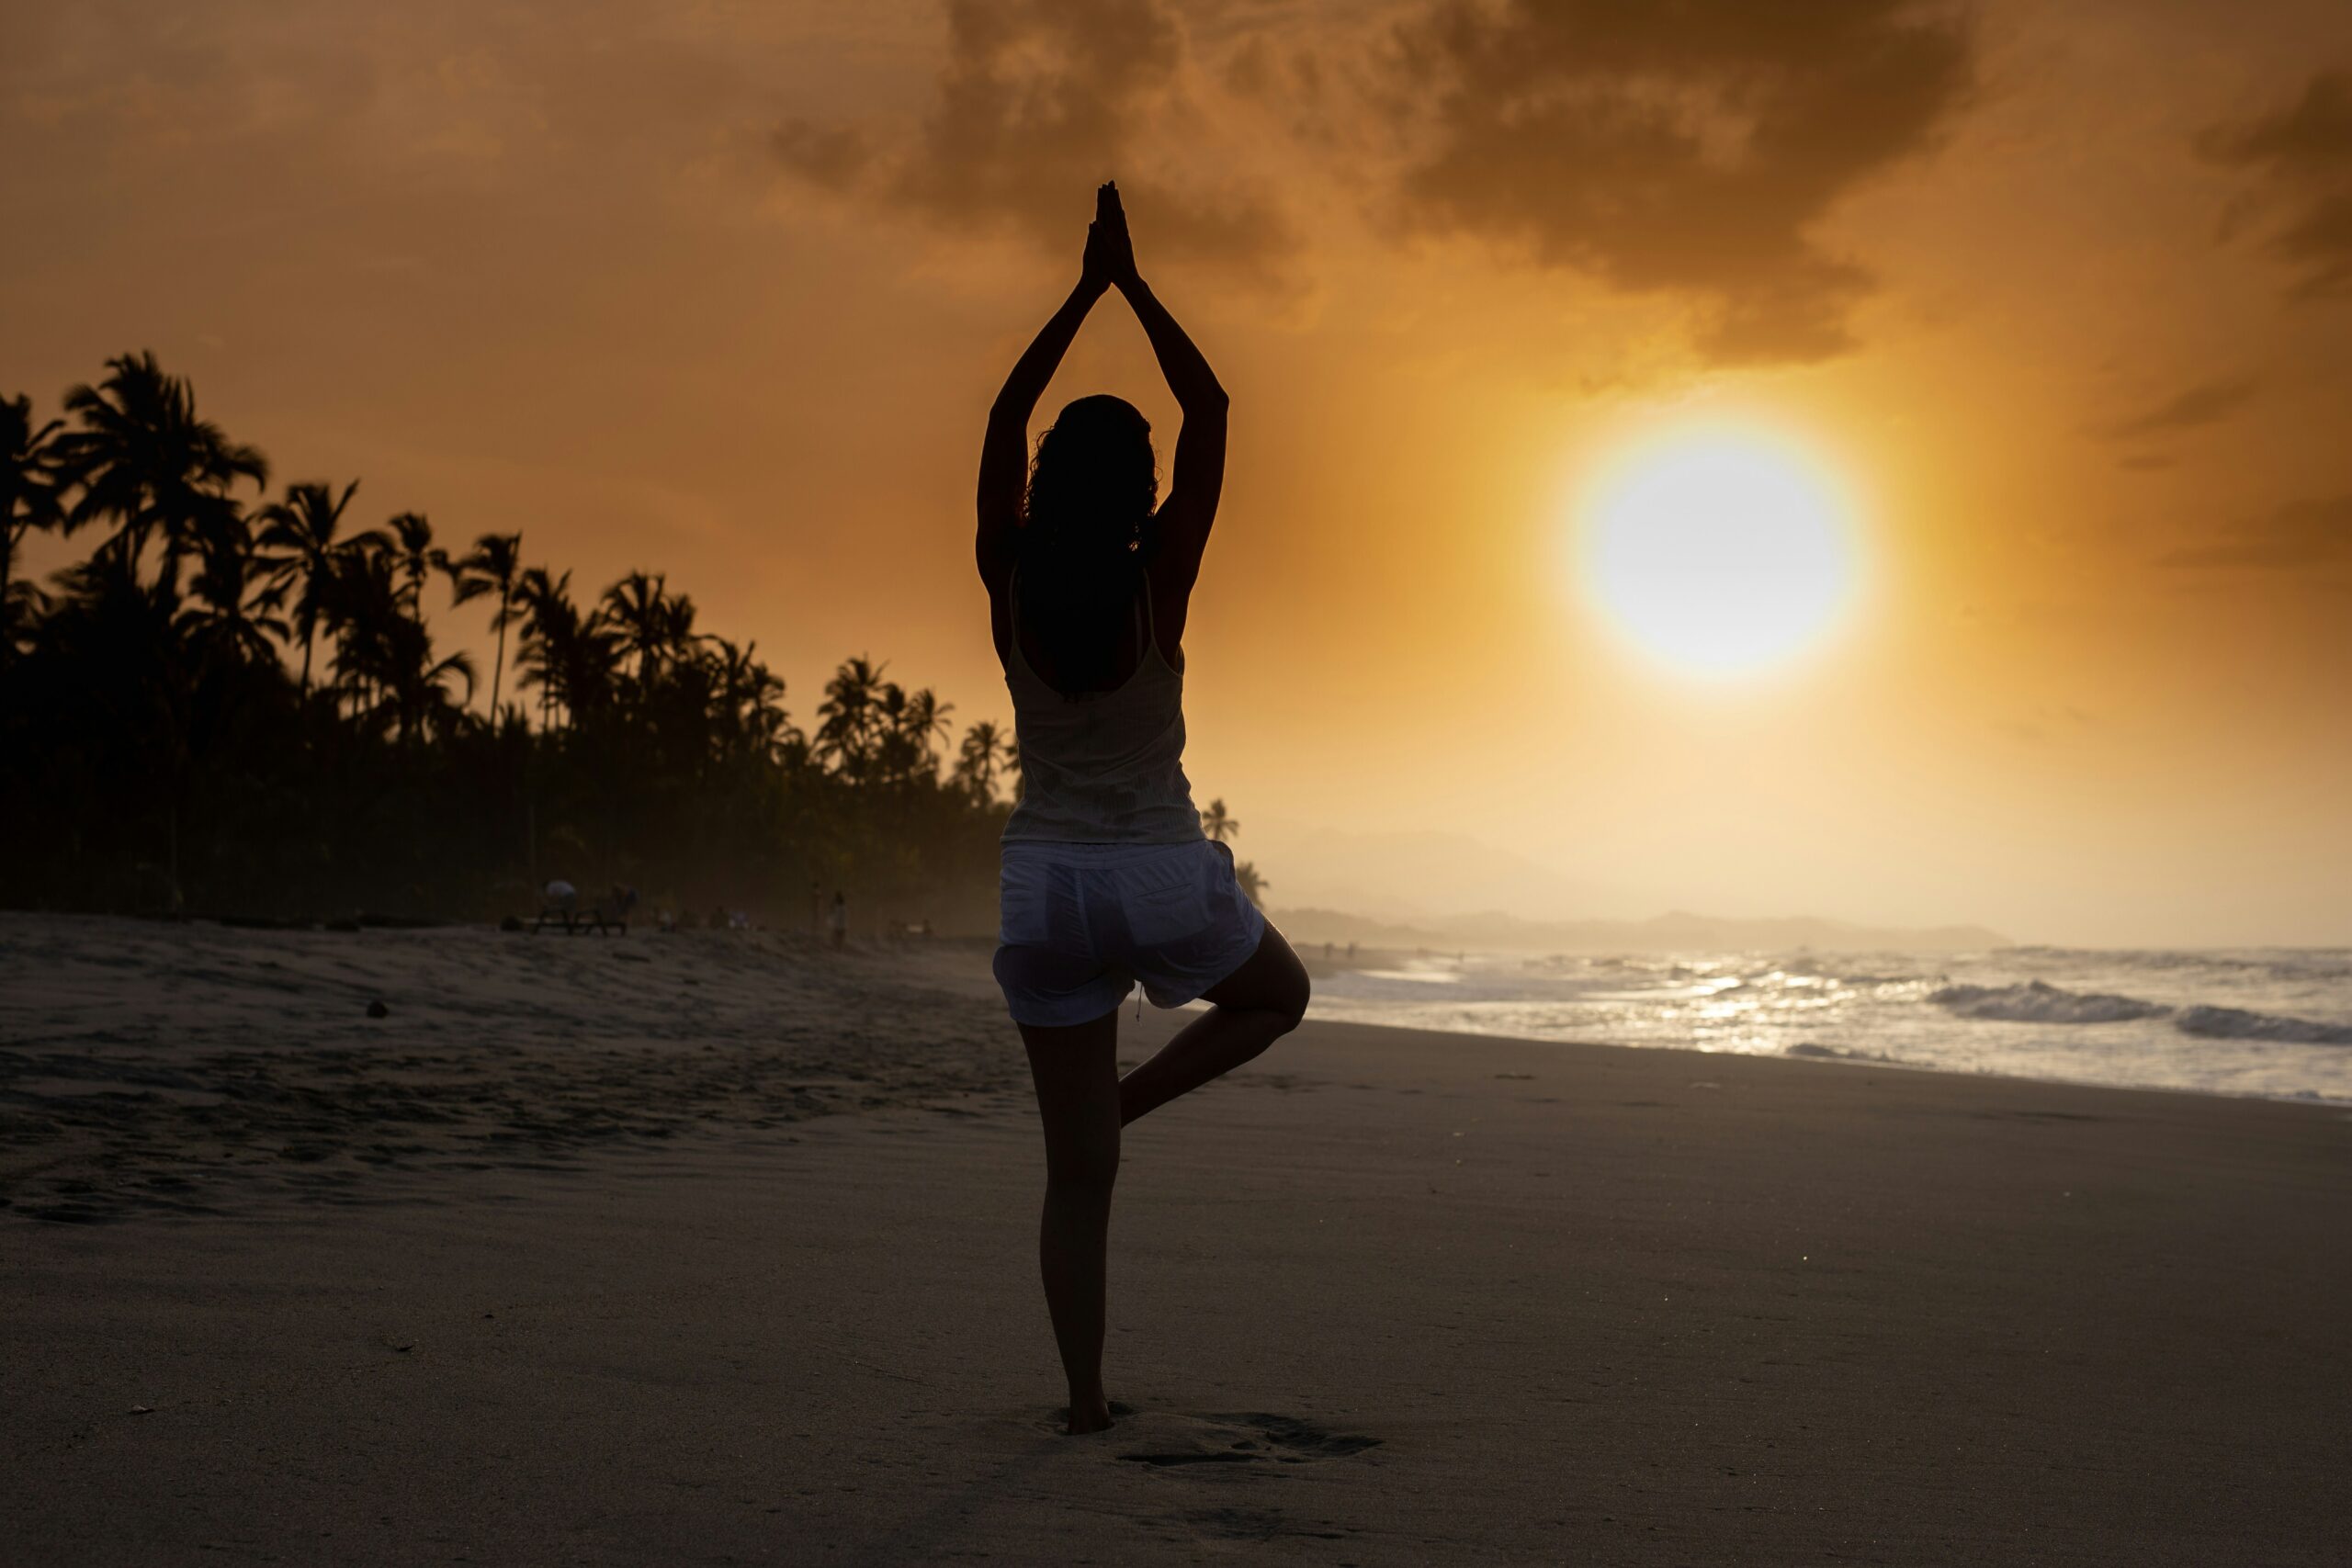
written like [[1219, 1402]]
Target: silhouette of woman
[[1108, 880]]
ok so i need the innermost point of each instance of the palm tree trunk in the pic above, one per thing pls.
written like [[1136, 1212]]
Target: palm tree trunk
[[498, 669], [8, 568]]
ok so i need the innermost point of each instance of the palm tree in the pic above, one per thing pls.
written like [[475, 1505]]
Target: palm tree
[[1253, 886], [546, 611], [144, 458], [915, 721], [674, 623], [301, 529], [638, 609], [749, 695], [32, 499], [857, 699], [986, 752], [416, 684], [231, 618], [764, 717], [494, 565], [365, 611], [417, 558], [592, 667], [572, 659], [551, 626], [1217, 825], [383, 654]]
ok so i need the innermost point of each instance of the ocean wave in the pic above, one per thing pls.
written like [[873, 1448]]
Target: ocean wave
[[2037, 1001], [1819, 1053], [2237, 1023], [2316, 964], [2311, 966]]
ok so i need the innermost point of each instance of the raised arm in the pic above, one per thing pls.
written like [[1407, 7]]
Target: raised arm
[[1004, 451], [1199, 479]]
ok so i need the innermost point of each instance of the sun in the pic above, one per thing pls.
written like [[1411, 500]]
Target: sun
[[1719, 553]]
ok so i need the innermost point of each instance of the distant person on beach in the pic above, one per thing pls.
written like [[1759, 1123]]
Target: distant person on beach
[[1107, 878], [837, 921]]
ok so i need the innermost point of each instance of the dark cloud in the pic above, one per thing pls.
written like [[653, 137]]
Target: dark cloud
[[2200, 405], [2303, 152], [2314, 532], [1297, 82], [1689, 147], [1040, 101]]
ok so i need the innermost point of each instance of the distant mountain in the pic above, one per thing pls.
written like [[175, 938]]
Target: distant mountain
[[1414, 876], [1677, 932], [1429, 887]]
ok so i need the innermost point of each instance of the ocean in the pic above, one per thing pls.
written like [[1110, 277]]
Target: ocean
[[2269, 1022]]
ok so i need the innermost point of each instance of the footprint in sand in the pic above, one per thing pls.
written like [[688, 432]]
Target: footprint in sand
[[1169, 1441]]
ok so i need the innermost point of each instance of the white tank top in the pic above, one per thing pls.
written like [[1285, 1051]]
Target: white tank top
[[1101, 767]]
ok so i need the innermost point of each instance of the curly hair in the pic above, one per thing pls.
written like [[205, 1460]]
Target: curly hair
[[1095, 471]]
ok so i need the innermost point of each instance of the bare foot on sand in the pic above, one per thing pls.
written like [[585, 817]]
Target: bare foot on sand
[[1092, 1415]]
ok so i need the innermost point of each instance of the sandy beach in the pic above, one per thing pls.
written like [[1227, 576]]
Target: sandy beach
[[719, 1249]]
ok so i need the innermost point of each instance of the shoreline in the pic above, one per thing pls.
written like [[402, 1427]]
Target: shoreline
[[1383, 1297], [950, 965], [2314, 1100]]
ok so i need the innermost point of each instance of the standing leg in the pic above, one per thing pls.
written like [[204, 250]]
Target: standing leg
[[1077, 1073], [1255, 1006]]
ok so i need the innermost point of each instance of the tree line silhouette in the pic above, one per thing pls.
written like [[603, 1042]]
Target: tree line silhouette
[[234, 705]]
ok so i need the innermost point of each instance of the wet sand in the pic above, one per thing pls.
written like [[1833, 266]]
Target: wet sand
[[1382, 1298]]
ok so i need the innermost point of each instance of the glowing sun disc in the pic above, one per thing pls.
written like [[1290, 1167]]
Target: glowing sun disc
[[1719, 553]]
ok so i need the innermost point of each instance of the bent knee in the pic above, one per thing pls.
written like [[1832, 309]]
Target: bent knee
[[1290, 1005]]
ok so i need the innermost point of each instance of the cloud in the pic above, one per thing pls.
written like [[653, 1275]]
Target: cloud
[[1691, 148], [2314, 532], [2208, 403], [2304, 152], [833, 157], [1039, 102]]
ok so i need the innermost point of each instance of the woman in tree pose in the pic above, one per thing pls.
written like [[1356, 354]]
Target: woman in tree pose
[[1108, 880]]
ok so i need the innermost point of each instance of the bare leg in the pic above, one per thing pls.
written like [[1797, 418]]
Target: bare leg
[[1077, 1073], [1255, 1006]]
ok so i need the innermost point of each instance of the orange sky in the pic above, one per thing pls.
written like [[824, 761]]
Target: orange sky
[[2061, 292]]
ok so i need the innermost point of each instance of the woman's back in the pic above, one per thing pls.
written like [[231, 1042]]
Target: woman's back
[[1100, 767]]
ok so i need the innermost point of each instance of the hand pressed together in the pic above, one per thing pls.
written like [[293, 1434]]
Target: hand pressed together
[[1110, 260]]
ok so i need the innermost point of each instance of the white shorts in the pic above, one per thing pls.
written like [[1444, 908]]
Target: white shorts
[[1080, 924]]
